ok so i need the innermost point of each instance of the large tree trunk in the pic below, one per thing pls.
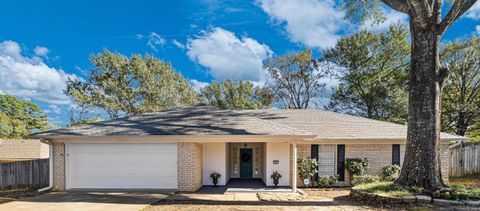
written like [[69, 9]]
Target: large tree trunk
[[421, 166]]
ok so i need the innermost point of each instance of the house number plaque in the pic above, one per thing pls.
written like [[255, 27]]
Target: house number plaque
[[275, 162]]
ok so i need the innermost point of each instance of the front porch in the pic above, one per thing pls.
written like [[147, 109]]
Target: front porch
[[248, 166], [235, 185]]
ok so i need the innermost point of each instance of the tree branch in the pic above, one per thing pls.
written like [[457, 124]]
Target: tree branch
[[420, 12], [457, 10], [399, 5], [443, 75]]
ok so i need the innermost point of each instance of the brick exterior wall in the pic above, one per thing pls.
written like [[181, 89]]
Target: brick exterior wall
[[23, 149], [189, 166], [58, 166], [378, 155], [303, 150]]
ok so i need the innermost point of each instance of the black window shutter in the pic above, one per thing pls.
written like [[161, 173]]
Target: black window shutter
[[314, 155], [396, 154], [314, 151], [341, 162]]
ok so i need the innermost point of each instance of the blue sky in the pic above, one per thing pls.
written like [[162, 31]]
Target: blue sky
[[43, 42]]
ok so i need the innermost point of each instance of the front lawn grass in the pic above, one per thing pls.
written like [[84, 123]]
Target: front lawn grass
[[470, 185], [384, 188], [468, 182]]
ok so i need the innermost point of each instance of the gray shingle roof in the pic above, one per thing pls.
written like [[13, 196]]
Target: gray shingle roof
[[208, 120]]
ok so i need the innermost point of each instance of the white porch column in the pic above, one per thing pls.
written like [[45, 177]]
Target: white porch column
[[294, 174]]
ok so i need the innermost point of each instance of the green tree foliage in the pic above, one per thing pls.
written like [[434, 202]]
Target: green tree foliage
[[129, 86], [461, 94], [295, 79], [20, 117], [82, 116], [372, 70], [237, 95]]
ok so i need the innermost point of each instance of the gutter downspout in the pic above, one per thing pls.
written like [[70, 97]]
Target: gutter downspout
[[50, 167]]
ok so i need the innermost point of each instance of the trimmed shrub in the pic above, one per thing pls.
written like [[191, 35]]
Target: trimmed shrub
[[356, 166], [307, 168], [363, 179], [391, 172], [327, 181]]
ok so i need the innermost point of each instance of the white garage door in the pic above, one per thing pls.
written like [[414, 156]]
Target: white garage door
[[122, 165]]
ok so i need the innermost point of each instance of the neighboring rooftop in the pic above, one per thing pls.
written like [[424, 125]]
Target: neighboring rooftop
[[24, 149], [208, 120]]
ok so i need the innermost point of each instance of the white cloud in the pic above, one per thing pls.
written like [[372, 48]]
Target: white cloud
[[41, 51], [474, 12], [53, 109], [11, 49], [314, 23], [478, 30], [178, 44], [154, 41], [229, 57], [27, 77], [391, 17], [139, 36], [198, 85]]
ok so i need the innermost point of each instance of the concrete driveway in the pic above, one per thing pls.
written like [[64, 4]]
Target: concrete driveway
[[86, 201]]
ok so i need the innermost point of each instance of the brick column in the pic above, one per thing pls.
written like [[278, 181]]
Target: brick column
[[58, 157], [189, 166]]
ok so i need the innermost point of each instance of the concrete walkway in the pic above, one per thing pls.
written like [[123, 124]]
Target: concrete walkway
[[228, 196], [92, 201], [242, 185]]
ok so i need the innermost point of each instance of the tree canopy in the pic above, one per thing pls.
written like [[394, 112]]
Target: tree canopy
[[295, 79], [81, 116], [372, 69], [237, 95], [20, 117], [129, 86], [461, 96]]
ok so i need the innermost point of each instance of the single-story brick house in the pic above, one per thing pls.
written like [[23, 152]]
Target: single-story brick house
[[179, 148]]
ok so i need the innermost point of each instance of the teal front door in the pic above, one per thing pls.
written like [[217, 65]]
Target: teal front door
[[246, 163]]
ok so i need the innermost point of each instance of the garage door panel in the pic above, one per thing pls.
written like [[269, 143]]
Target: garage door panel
[[139, 183], [125, 159], [120, 172], [121, 165], [130, 147]]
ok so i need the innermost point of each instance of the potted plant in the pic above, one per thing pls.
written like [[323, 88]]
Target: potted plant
[[215, 176], [275, 176]]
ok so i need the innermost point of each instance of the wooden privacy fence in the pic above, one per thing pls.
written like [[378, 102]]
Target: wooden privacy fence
[[24, 174], [465, 160]]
